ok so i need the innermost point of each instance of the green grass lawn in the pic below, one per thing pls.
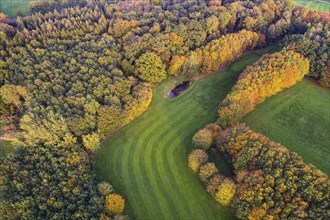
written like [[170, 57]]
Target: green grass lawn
[[318, 5], [146, 161], [298, 118], [5, 148], [11, 7]]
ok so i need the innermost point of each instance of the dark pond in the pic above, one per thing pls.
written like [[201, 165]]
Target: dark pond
[[179, 89]]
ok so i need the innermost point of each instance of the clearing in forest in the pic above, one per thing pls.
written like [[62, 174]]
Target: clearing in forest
[[146, 161], [11, 7]]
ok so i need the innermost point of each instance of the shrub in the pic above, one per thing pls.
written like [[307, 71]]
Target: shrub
[[115, 203], [105, 217], [91, 141], [202, 139], [105, 188], [120, 217], [206, 171], [214, 129], [325, 78], [197, 158], [226, 192], [257, 214], [214, 183]]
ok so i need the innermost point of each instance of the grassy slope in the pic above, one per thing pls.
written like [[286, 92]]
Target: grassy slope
[[298, 118], [10, 7], [320, 6], [5, 148], [146, 161], [315, 4]]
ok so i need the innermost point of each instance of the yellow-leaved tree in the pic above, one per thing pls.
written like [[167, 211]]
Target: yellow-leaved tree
[[115, 203], [196, 159], [226, 192], [50, 130], [14, 96], [91, 141]]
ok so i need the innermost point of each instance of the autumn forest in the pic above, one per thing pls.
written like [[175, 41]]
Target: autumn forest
[[164, 109]]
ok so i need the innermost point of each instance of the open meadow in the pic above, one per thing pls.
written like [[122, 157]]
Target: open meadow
[[318, 5], [5, 148], [11, 7], [298, 118]]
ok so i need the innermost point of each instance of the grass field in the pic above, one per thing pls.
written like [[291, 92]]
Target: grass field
[[5, 148], [11, 7], [318, 5], [146, 161], [298, 118]]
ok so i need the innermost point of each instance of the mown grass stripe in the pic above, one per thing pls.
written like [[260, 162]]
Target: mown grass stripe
[[138, 163], [169, 136], [151, 149], [143, 140]]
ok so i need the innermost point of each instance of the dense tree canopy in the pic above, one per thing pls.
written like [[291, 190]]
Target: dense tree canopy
[[46, 183], [215, 54], [315, 46], [6, 26], [273, 182], [92, 69]]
